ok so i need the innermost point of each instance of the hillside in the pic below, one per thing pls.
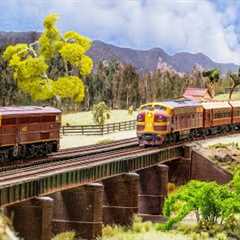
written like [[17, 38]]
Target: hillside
[[143, 60], [147, 60]]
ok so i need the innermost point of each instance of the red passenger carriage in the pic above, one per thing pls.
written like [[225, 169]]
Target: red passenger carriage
[[28, 131]]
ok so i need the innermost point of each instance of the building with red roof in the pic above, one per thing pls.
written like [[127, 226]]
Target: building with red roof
[[199, 94]]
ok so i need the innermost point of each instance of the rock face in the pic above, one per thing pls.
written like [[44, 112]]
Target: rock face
[[142, 60]]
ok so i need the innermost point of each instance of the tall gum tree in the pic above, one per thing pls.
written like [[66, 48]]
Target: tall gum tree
[[52, 66]]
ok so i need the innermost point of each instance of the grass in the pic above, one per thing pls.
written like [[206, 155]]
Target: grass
[[225, 145], [85, 118], [225, 96], [225, 155], [152, 231], [65, 236]]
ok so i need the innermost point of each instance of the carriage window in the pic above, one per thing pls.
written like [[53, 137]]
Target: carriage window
[[34, 120], [237, 113], [49, 119], [222, 115], [9, 121], [23, 120]]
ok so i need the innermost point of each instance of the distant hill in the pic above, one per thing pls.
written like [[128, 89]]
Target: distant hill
[[143, 60], [147, 60], [17, 37]]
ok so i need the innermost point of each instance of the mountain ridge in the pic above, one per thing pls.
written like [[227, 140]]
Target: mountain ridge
[[147, 60], [142, 60]]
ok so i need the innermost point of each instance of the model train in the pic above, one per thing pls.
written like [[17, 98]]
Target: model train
[[27, 132], [171, 121]]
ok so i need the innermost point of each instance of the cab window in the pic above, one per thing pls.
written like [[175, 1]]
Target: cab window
[[159, 107], [147, 107]]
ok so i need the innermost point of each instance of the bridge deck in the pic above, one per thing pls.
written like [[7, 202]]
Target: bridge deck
[[23, 186]]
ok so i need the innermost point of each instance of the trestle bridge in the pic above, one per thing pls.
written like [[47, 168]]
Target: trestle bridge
[[82, 188]]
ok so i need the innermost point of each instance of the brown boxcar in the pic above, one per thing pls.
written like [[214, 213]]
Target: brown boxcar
[[28, 131]]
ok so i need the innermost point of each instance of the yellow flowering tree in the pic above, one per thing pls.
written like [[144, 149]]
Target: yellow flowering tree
[[52, 66]]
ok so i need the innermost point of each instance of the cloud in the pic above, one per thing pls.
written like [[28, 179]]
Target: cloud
[[210, 27]]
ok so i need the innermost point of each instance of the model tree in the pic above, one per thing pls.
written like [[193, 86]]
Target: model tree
[[213, 77], [235, 82], [52, 66], [101, 113]]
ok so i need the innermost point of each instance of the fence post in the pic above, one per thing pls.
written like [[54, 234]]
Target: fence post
[[102, 128], [82, 128], [63, 130]]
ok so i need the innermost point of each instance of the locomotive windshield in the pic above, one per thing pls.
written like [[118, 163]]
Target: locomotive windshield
[[153, 107], [147, 107]]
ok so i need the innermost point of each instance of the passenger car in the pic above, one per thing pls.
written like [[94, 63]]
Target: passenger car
[[27, 132]]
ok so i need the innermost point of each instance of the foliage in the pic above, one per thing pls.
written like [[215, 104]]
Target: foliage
[[214, 205], [101, 112], [235, 82], [53, 66], [6, 231], [213, 76], [130, 110], [65, 236], [221, 236]]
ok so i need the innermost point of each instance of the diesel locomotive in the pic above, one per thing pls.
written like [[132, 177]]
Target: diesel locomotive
[[27, 132], [171, 121]]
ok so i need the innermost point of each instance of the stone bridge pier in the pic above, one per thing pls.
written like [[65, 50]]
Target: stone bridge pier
[[120, 198], [32, 220], [152, 191], [80, 210]]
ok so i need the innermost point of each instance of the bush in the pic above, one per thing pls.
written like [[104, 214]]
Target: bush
[[65, 236], [212, 203], [130, 110], [221, 236], [101, 112], [111, 231]]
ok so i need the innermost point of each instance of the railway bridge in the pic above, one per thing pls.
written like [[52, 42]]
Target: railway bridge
[[84, 193]]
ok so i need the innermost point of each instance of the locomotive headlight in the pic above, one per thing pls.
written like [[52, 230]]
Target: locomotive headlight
[[159, 118], [141, 117]]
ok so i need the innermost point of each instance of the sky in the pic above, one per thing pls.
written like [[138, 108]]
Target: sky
[[208, 26]]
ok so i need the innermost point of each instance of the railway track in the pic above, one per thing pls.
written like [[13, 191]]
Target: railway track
[[74, 158], [76, 152], [71, 153]]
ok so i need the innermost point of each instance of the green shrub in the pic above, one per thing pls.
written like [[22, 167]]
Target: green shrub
[[195, 236], [130, 110], [65, 236], [187, 229], [221, 236], [111, 231], [212, 203], [100, 112]]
